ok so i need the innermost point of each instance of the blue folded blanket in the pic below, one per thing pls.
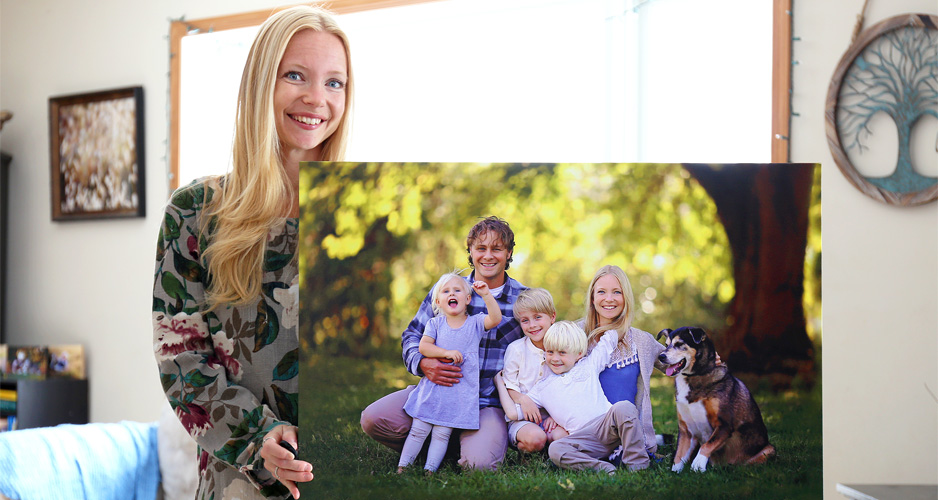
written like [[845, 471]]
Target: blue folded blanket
[[90, 461]]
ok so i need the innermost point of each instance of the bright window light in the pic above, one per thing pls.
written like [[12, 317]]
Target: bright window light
[[525, 81]]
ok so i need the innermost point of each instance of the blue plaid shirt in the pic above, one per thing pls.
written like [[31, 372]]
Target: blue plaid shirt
[[491, 348]]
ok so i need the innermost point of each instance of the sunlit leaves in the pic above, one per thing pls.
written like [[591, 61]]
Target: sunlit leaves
[[376, 236]]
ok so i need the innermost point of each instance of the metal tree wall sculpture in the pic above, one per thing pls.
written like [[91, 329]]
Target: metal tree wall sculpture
[[891, 69]]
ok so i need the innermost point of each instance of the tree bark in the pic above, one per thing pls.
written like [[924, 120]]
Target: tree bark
[[764, 210]]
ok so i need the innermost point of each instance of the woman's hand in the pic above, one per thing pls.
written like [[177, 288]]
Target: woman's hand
[[283, 464], [440, 373]]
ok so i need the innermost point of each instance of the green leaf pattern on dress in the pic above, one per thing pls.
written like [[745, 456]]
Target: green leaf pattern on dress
[[230, 374]]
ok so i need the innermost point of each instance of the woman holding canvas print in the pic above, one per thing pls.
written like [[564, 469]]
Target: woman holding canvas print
[[226, 289]]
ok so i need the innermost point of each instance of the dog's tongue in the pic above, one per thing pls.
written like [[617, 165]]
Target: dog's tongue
[[669, 371]]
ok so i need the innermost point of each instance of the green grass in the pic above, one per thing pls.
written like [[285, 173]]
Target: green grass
[[348, 464]]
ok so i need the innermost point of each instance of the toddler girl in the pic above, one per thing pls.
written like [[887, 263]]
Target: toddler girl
[[453, 335]]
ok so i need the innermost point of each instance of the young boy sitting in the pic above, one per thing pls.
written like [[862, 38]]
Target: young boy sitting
[[571, 393], [524, 366]]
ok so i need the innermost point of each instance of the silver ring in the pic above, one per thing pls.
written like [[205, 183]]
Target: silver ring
[[277, 472]]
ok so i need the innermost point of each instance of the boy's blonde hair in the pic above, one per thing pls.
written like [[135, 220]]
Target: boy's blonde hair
[[536, 300], [565, 336], [435, 291]]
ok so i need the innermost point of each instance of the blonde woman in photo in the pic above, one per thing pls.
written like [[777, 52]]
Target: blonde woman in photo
[[610, 306]]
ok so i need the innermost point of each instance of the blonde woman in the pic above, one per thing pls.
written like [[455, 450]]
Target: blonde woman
[[610, 305], [226, 287]]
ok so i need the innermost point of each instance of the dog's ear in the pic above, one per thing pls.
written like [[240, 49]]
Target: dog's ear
[[666, 332], [698, 334]]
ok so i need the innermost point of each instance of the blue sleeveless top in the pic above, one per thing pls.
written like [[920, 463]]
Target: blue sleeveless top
[[620, 383], [620, 379]]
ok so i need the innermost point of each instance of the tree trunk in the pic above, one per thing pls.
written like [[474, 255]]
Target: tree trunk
[[764, 210]]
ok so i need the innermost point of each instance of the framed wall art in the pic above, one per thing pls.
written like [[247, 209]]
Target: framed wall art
[[97, 154], [879, 98]]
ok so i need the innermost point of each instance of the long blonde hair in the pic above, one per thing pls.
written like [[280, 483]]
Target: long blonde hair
[[250, 200], [621, 324]]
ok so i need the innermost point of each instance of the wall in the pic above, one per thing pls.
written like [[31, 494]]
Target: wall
[[880, 284], [90, 282]]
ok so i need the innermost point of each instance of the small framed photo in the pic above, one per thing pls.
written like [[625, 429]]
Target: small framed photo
[[27, 362], [66, 361], [3, 360], [97, 154]]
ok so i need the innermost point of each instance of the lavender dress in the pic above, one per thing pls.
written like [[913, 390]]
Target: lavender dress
[[456, 406]]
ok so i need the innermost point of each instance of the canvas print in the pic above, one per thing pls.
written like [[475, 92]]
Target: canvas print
[[718, 266], [27, 362], [67, 361], [97, 154]]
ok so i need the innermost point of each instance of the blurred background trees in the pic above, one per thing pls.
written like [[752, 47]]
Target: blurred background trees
[[375, 237]]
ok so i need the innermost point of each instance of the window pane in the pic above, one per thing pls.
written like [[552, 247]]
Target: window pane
[[210, 74], [525, 81], [705, 80]]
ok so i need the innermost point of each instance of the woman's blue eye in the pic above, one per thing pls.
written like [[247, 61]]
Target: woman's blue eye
[[293, 75], [335, 84]]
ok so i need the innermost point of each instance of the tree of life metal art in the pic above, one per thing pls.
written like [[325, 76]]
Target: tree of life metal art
[[892, 68]]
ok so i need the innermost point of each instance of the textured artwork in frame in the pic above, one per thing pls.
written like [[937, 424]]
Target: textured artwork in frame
[[97, 154]]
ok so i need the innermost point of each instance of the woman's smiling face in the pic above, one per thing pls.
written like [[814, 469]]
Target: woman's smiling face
[[608, 299], [309, 95]]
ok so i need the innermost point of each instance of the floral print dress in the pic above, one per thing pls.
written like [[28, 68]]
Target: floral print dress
[[229, 374]]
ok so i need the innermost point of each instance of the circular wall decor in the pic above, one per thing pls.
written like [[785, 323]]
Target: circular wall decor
[[892, 68]]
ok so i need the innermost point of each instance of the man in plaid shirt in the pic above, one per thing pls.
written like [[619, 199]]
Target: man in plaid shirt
[[490, 245]]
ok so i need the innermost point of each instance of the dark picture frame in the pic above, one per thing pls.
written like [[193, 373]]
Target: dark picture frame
[[5, 161], [97, 155]]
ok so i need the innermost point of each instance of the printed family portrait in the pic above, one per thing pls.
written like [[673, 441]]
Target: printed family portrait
[[621, 287]]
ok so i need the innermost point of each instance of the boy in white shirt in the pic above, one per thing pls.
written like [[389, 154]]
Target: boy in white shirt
[[524, 366], [571, 393]]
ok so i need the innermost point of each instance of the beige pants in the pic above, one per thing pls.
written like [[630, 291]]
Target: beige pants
[[387, 423], [587, 447]]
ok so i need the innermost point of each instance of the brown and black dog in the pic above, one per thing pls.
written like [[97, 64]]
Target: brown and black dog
[[714, 408]]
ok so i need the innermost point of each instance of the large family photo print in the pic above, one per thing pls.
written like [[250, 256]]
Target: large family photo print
[[496, 330]]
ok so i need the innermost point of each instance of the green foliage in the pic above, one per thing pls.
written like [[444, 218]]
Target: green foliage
[[375, 237], [812, 263]]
